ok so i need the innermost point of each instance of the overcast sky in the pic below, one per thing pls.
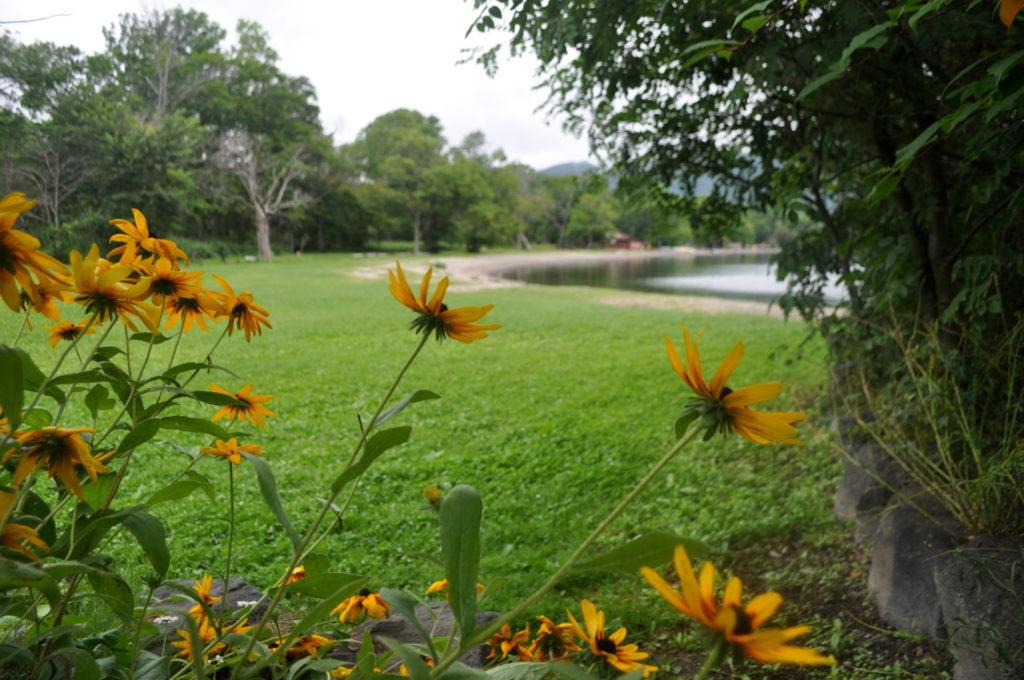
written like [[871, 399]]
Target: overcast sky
[[364, 57]]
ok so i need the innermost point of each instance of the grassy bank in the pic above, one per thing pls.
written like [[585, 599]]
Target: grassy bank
[[553, 419]]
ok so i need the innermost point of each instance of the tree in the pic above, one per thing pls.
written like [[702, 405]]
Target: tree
[[398, 149], [592, 219]]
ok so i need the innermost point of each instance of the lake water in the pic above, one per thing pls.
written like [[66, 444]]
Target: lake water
[[745, 276]]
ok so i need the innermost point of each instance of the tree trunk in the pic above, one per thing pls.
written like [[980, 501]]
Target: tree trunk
[[416, 234], [263, 234]]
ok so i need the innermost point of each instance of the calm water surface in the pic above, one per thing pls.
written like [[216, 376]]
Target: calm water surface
[[745, 276]]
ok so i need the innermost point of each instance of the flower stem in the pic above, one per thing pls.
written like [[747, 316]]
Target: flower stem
[[300, 552], [231, 538], [484, 633], [21, 328], [713, 661]]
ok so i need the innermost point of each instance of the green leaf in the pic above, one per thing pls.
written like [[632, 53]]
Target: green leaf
[[754, 24], [147, 338], [38, 417], [91, 376], [647, 550], [268, 487], [884, 187], [33, 378], [906, 155], [98, 399], [198, 660], [175, 371], [37, 508], [418, 670], [322, 585], [141, 433], [183, 488], [317, 614], [149, 532], [872, 38], [405, 605], [114, 592], [460, 671], [72, 662], [417, 396], [375, 446], [212, 398], [461, 513], [747, 14], [200, 425], [536, 670], [684, 421], [95, 493], [12, 387], [149, 666], [21, 575]]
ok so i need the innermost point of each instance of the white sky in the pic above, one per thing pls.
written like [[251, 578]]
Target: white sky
[[365, 57]]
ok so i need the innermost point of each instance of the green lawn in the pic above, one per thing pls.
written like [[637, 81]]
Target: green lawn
[[552, 419]]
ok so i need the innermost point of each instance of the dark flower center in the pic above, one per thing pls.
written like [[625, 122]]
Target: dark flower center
[[364, 592], [444, 307], [605, 645], [239, 310], [744, 626], [726, 391], [164, 287]]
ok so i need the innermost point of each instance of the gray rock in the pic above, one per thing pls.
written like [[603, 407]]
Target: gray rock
[[865, 489], [436, 618], [170, 607], [981, 592], [908, 548]]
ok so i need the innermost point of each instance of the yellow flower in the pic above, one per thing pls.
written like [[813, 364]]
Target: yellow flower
[[307, 645], [442, 585], [207, 633], [554, 641], [434, 316], [721, 407], [403, 670], [15, 536], [626, 658], [737, 624], [164, 281], [1008, 11], [203, 589], [138, 246], [505, 641], [45, 297], [60, 451], [107, 291], [241, 311], [194, 310], [231, 450], [69, 331], [251, 406], [20, 256], [298, 574], [433, 496], [351, 609]]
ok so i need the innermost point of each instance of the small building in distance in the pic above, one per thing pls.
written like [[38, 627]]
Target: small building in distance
[[624, 242]]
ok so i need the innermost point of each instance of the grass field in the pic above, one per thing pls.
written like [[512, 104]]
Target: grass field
[[552, 419]]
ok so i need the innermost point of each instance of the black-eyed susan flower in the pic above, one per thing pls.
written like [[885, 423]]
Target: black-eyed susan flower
[[250, 406], [45, 296], [62, 451], [721, 408], [20, 256], [108, 291], [442, 586], [187, 311], [241, 311], [403, 670], [231, 450], [138, 245], [737, 624], [207, 634], [20, 537], [505, 641], [433, 316], [69, 331], [433, 495], [163, 281], [609, 648], [370, 603], [554, 641], [298, 574], [1008, 11], [307, 645], [203, 588]]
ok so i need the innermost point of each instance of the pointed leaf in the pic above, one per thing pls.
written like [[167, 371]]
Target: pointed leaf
[[417, 396], [12, 387], [375, 446], [149, 532], [268, 487], [461, 513]]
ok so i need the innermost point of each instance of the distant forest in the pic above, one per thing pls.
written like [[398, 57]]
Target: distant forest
[[225, 152]]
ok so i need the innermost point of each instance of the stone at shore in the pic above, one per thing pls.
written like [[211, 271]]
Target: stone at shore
[[981, 591]]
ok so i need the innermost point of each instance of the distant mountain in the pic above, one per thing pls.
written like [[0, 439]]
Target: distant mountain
[[577, 168]]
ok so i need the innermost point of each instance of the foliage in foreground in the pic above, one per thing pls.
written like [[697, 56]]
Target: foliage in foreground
[[54, 536]]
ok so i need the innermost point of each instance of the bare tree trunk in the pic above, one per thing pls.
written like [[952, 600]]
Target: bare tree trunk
[[416, 233], [263, 234]]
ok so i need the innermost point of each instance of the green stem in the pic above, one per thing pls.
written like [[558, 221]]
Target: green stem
[[138, 628], [21, 328], [127, 351], [299, 553], [231, 536], [484, 633], [713, 661]]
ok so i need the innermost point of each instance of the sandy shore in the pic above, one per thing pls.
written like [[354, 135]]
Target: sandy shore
[[478, 272]]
